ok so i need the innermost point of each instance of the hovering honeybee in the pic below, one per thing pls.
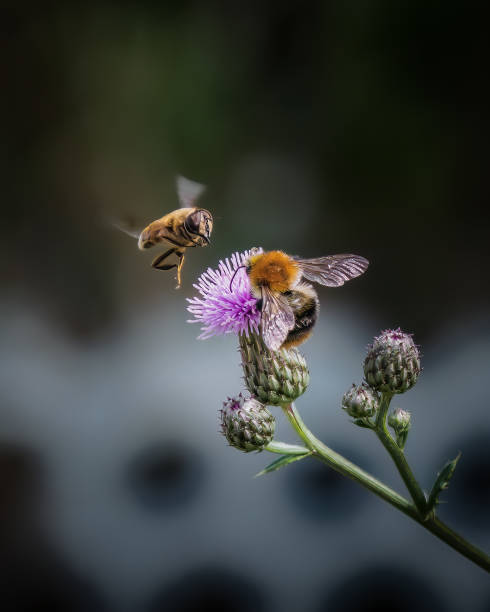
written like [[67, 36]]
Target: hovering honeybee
[[289, 306], [188, 226]]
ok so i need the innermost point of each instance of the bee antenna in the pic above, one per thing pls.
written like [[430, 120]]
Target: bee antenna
[[233, 277]]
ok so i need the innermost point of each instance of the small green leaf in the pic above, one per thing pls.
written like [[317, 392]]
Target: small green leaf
[[282, 448], [279, 463], [442, 481]]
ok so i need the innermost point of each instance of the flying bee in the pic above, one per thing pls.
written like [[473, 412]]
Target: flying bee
[[187, 227], [289, 306]]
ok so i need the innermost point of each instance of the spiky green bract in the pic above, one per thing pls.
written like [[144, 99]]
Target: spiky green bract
[[274, 377], [247, 424], [360, 401], [393, 362]]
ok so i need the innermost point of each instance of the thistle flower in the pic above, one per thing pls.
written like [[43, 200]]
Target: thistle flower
[[225, 306], [360, 401], [399, 421], [393, 362], [275, 377], [247, 424]]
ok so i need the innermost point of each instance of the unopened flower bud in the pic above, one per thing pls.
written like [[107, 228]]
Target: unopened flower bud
[[247, 424], [392, 363], [399, 420], [274, 377], [360, 401]]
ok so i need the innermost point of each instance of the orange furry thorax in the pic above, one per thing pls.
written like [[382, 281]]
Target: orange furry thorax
[[274, 269]]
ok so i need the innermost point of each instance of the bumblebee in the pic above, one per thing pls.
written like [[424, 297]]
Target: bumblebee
[[187, 227], [289, 306]]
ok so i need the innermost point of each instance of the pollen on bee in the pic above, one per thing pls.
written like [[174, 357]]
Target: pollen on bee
[[274, 269]]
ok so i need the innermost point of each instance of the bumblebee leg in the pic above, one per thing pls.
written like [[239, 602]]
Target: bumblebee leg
[[159, 259], [181, 256]]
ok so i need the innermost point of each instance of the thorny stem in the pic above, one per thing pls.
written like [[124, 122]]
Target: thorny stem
[[352, 471], [398, 457]]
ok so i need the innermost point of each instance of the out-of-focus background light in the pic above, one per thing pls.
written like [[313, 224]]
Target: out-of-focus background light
[[320, 128]]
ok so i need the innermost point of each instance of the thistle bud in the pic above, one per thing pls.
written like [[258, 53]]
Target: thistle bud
[[247, 424], [274, 377], [392, 363], [399, 421], [360, 401]]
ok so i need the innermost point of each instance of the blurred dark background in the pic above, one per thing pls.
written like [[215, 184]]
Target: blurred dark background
[[319, 128]]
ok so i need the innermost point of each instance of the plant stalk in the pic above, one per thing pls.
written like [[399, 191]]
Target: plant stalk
[[352, 471], [398, 457]]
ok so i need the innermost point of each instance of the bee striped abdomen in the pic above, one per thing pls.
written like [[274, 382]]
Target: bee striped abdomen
[[305, 305]]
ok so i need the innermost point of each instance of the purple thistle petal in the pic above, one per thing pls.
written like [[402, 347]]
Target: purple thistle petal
[[221, 310]]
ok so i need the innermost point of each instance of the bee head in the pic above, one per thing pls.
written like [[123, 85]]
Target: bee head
[[200, 224]]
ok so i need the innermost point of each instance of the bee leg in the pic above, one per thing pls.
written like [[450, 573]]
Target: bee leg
[[157, 262], [181, 256]]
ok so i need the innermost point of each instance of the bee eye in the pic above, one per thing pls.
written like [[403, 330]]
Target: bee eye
[[193, 222]]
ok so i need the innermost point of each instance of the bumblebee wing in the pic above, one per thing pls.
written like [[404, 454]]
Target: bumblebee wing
[[277, 318], [333, 270], [188, 191]]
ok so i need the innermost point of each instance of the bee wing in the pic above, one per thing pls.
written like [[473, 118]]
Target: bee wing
[[333, 270], [188, 191], [128, 226], [277, 318]]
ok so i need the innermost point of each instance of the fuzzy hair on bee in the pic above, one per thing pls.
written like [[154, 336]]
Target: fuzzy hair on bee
[[275, 270], [289, 306]]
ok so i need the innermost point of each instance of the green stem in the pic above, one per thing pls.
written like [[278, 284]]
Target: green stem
[[352, 471], [286, 449], [344, 466], [398, 457]]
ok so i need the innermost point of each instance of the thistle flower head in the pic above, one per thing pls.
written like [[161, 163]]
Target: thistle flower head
[[274, 377], [399, 420], [246, 423], [393, 362], [360, 401], [224, 306]]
